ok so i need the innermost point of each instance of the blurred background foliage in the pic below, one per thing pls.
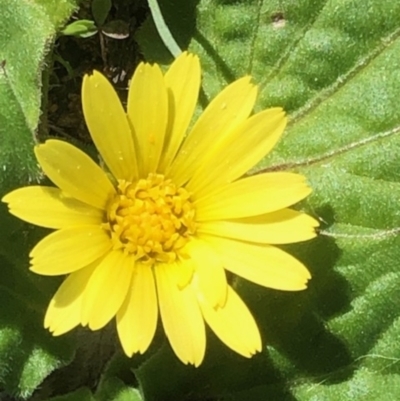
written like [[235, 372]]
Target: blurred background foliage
[[334, 65]]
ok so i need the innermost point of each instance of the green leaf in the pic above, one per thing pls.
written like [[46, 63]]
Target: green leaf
[[28, 354], [334, 66], [180, 18], [162, 28], [82, 28], [116, 29], [27, 29], [100, 10], [82, 394], [114, 389], [363, 386]]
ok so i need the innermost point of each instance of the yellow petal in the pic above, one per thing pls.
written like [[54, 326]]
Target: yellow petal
[[148, 114], [282, 227], [230, 108], [108, 126], [137, 317], [69, 249], [210, 273], [107, 289], [252, 196], [233, 324], [262, 264], [48, 207], [240, 151], [64, 311], [181, 316], [183, 84], [184, 272], [75, 173]]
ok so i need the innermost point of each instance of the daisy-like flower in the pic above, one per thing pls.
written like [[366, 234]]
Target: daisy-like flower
[[153, 232]]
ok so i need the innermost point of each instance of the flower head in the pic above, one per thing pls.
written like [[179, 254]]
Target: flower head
[[153, 232]]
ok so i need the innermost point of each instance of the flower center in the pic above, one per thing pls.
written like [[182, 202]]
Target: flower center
[[151, 219]]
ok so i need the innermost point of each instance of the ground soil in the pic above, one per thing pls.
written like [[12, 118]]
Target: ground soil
[[73, 57]]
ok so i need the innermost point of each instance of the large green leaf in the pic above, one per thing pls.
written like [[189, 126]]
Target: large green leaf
[[27, 29], [335, 67], [27, 352]]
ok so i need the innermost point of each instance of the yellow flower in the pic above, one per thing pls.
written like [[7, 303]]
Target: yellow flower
[[155, 229]]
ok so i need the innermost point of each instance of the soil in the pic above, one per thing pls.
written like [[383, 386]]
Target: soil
[[74, 56]]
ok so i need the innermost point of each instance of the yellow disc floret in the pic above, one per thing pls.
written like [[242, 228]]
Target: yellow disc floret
[[152, 219]]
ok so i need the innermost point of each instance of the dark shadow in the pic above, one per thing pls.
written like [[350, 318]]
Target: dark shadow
[[180, 18], [294, 322], [203, 99], [222, 373], [227, 73], [92, 352]]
